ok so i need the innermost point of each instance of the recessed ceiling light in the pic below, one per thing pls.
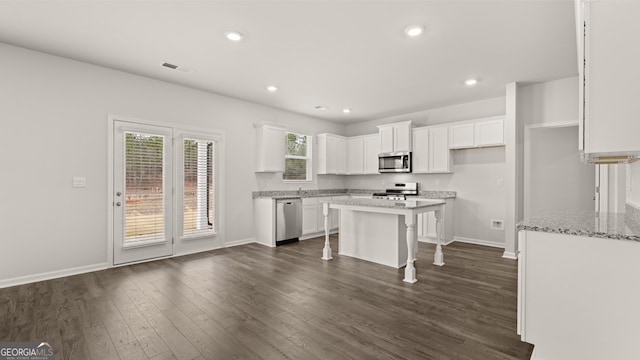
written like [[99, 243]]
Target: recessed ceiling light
[[320, 107], [346, 110], [413, 31], [233, 35], [471, 82], [272, 88]]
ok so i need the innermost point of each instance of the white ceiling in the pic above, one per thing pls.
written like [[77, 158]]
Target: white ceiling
[[331, 53]]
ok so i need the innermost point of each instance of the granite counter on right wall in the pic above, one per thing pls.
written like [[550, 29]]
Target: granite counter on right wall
[[578, 290]]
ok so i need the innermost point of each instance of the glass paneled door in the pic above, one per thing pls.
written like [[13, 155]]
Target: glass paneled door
[[142, 209]]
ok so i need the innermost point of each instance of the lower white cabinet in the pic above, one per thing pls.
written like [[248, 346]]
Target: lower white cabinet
[[309, 215], [313, 216], [426, 227]]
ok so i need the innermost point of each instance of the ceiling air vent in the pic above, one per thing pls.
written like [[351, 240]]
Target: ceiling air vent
[[177, 67]]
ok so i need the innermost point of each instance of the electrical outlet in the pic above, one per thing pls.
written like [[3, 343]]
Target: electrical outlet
[[500, 182], [497, 224], [437, 181]]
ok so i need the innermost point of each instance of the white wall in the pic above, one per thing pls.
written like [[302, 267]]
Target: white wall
[[475, 172], [549, 102], [556, 179], [54, 127]]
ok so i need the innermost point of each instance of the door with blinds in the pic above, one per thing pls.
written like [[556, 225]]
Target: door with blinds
[[142, 209]]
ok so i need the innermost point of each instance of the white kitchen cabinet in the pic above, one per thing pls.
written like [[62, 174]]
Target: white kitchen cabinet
[[355, 155], [461, 136], [426, 227], [439, 153], [395, 137], [489, 133], [477, 133], [313, 216], [420, 155], [270, 147], [608, 57], [332, 151], [371, 152], [431, 152], [309, 216]]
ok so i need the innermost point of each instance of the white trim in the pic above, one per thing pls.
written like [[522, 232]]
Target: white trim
[[20, 280], [554, 124], [240, 242], [478, 242], [509, 255]]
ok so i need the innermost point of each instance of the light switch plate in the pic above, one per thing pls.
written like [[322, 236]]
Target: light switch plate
[[79, 182], [500, 182]]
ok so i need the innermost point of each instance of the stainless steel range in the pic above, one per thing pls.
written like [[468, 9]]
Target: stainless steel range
[[398, 191]]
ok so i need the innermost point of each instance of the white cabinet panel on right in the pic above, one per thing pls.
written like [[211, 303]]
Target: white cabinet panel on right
[[608, 67], [477, 133]]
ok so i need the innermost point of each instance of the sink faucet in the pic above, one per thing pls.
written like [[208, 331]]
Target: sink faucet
[[300, 189]]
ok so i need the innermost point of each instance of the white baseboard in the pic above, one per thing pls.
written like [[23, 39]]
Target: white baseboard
[[51, 275], [240, 242], [478, 242], [315, 235], [430, 240], [510, 255]]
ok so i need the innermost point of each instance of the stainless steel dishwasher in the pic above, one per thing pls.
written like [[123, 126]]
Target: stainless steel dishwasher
[[288, 220]]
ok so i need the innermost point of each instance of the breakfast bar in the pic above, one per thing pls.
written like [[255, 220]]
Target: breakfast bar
[[383, 231]]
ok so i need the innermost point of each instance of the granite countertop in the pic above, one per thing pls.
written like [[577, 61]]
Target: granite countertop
[[619, 226], [390, 204], [292, 194]]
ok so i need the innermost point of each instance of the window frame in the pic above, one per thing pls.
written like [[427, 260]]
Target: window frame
[[308, 158], [179, 138]]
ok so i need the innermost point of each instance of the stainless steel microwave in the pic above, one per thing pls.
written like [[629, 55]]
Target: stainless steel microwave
[[395, 162]]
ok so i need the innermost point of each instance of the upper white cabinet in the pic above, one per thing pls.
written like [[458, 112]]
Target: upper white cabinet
[[608, 66], [461, 136], [477, 133], [395, 137], [355, 155], [332, 157], [489, 132], [371, 151], [439, 153], [270, 147], [420, 156], [431, 152]]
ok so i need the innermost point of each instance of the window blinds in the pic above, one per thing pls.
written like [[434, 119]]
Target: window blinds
[[144, 188], [199, 191]]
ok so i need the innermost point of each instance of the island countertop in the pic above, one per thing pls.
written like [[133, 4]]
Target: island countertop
[[287, 194], [389, 204], [619, 226]]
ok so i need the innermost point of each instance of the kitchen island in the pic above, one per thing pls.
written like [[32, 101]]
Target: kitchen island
[[578, 291], [383, 231]]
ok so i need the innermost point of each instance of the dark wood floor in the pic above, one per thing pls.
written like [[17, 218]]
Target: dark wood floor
[[254, 302]]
